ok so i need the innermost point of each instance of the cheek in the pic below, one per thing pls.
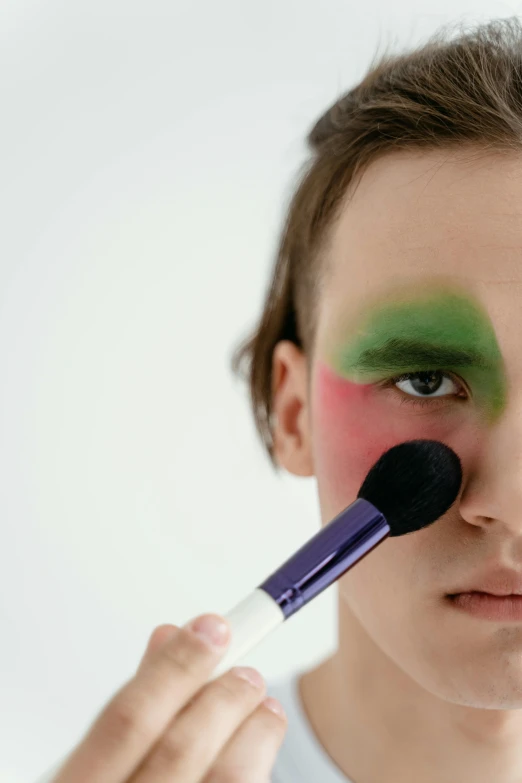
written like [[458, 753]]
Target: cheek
[[354, 424]]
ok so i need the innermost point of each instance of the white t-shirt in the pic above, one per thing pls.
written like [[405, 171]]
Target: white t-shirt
[[301, 758]]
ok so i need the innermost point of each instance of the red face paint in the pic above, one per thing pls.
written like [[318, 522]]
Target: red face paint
[[354, 424]]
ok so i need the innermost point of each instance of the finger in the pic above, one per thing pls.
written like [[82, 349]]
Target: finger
[[137, 716], [250, 754], [158, 639], [198, 734]]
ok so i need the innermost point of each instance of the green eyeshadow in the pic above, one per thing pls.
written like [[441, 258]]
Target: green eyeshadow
[[437, 328]]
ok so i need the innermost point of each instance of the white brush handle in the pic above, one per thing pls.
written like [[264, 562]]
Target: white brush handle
[[250, 621]]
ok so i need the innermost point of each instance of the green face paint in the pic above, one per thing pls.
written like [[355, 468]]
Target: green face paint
[[435, 328]]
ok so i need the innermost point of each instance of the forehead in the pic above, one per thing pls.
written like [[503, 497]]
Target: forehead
[[421, 216]]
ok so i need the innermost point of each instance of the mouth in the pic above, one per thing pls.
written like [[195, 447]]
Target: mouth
[[494, 596], [497, 608]]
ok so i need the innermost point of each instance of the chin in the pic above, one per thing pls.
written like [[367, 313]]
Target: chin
[[493, 682], [500, 697]]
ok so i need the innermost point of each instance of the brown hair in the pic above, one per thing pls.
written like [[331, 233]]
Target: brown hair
[[449, 91]]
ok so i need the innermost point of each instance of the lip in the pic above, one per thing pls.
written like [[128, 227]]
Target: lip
[[496, 595], [490, 607], [495, 581]]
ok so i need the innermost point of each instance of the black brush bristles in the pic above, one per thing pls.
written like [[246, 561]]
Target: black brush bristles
[[413, 484]]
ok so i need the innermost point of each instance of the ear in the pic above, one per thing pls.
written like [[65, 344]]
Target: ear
[[291, 409]]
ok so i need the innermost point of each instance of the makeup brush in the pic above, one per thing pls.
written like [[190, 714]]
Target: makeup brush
[[407, 489]]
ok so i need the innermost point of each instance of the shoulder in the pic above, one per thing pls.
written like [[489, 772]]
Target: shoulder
[[301, 758]]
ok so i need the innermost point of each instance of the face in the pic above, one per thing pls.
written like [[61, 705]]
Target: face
[[419, 336]]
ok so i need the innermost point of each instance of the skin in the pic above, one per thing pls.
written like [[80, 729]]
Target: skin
[[373, 413], [428, 246], [368, 350]]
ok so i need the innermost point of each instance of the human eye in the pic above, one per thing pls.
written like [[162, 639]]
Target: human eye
[[426, 387]]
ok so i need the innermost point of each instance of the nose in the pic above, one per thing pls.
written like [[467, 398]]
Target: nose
[[492, 490]]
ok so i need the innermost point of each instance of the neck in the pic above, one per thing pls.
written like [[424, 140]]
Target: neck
[[376, 723]]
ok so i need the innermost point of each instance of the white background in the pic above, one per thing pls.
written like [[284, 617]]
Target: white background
[[148, 152]]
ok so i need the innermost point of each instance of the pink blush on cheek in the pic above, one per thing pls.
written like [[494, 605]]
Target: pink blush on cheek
[[353, 425]]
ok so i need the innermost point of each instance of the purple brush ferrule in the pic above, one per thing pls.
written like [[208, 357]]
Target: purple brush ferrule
[[325, 557]]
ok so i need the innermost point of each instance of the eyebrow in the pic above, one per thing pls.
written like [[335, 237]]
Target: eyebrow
[[398, 351]]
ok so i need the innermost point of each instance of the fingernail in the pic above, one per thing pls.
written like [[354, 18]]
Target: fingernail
[[213, 629], [250, 675], [274, 706]]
